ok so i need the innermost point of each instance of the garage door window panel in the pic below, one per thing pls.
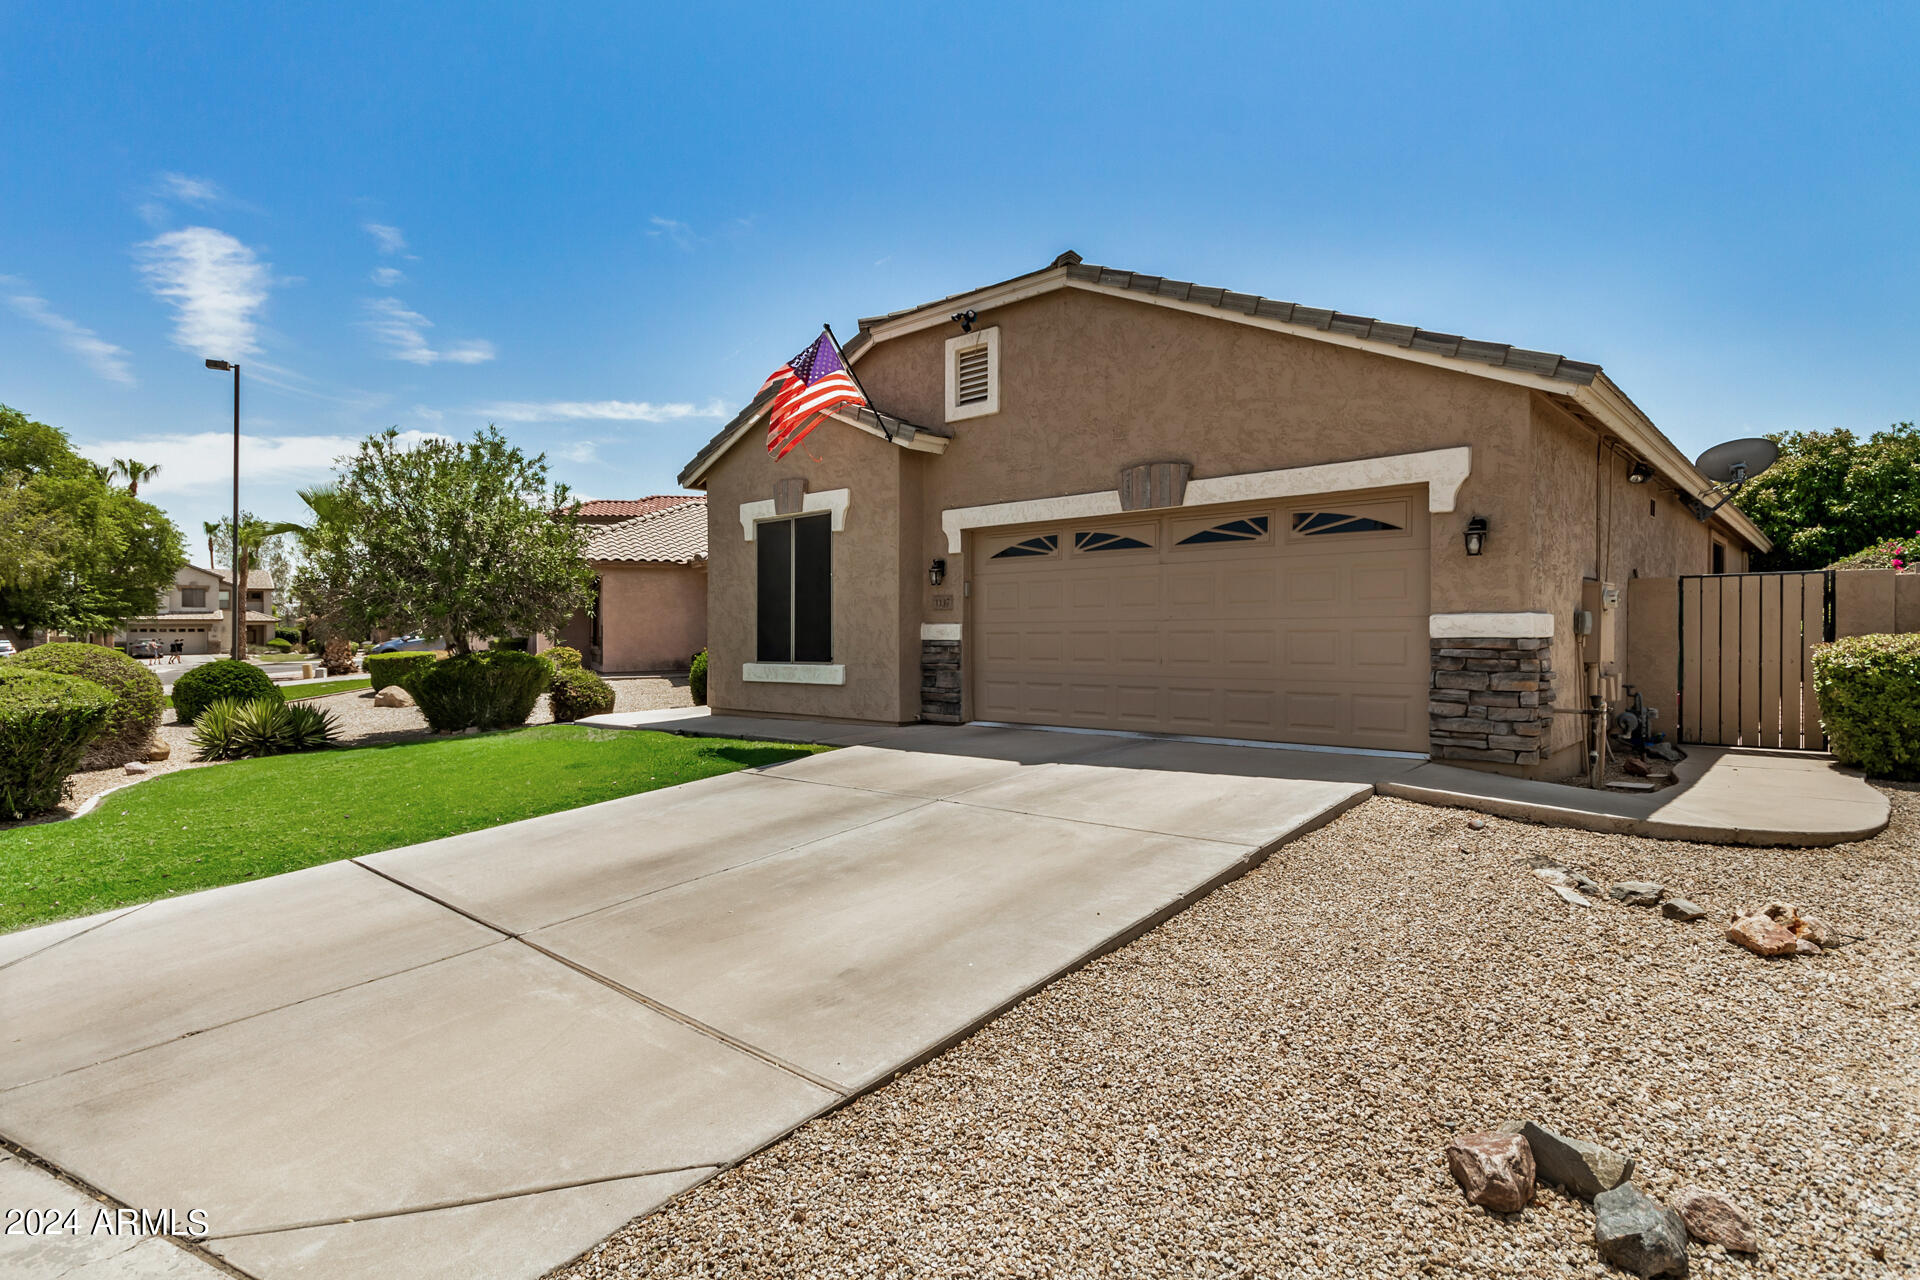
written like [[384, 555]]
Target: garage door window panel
[[795, 589]]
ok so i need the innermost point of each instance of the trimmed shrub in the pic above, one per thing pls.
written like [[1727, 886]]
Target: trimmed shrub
[[228, 678], [291, 636], [138, 698], [485, 690], [47, 721], [232, 730], [395, 668], [1869, 690], [280, 644], [578, 692], [697, 679], [564, 657]]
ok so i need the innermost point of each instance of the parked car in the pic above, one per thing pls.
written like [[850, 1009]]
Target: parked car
[[144, 649], [396, 644], [6, 647]]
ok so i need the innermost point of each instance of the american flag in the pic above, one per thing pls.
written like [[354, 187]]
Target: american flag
[[811, 384]]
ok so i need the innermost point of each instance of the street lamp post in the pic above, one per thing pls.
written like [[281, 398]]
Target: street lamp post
[[237, 593]]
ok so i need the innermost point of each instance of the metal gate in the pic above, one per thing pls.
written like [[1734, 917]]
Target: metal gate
[[1745, 676]]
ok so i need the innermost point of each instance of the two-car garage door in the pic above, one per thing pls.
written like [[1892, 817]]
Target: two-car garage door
[[1301, 621]]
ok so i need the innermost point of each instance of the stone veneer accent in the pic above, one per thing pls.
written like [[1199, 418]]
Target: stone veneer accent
[[940, 681], [1491, 699]]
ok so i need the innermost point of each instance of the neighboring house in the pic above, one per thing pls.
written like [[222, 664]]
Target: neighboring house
[[649, 559], [1118, 501], [194, 610]]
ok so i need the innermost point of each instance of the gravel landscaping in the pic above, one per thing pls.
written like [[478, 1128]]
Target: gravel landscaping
[[360, 724], [1266, 1084]]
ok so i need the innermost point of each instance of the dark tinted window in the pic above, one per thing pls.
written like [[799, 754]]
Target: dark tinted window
[[795, 622]]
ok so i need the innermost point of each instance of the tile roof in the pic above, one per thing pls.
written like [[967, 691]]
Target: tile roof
[[1546, 364], [611, 509], [671, 535], [258, 579], [199, 615]]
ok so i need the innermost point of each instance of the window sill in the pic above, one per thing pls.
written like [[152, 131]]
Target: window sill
[[793, 672]]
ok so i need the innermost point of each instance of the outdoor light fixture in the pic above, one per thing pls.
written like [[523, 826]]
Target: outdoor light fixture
[[965, 320], [937, 572], [1476, 535], [1640, 474]]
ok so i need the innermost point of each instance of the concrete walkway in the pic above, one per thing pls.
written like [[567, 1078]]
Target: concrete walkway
[[481, 1055]]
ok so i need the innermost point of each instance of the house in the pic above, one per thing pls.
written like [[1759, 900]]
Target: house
[[194, 610], [1110, 500], [649, 558]]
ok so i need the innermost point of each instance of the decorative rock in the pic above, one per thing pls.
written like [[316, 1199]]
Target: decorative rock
[[1637, 1234], [471, 729], [1584, 1168], [136, 766], [393, 696], [1762, 936], [1495, 1170], [1476, 824], [1638, 893], [1715, 1219], [1817, 932], [159, 749], [1570, 896], [1635, 766], [1681, 909], [1665, 750], [1801, 947]]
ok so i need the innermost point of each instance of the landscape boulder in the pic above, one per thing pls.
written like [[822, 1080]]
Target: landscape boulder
[[1681, 909], [1584, 1168], [135, 766], [1637, 1234], [1714, 1219], [1635, 766], [1638, 893], [159, 749], [393, 696], [1762, 936], [1495, 1170]]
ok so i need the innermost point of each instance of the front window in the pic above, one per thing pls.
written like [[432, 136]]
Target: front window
[[795, 589], [193, 597]]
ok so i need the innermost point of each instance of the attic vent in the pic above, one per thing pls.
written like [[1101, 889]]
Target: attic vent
[[973, 374], [971, 377]]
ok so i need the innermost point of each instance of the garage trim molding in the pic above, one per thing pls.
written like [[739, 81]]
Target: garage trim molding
[[1443, 471]]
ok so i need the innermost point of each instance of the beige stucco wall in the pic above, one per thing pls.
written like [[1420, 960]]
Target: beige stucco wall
[[653, 617], [875, 633]]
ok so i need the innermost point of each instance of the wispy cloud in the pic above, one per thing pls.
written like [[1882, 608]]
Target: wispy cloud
[[404, 334], [601, 410], [388, 239], [106, 359], [189, 190], [679, 232], [387, 277], [215, 284], [200, 462], [577, 451]]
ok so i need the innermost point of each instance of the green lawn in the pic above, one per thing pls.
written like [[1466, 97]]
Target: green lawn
[[345, 684], [251, 818]]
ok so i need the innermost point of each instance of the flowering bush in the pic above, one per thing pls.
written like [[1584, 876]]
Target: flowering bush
[[1869, 690], [1900, 554]]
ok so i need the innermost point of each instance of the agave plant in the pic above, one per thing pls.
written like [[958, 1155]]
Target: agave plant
[[235, 730]]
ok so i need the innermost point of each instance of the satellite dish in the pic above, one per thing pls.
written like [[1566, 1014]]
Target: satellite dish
[[1731, 465], [1737, 461]]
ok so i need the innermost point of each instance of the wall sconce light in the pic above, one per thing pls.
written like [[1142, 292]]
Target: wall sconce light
[[1640, 474], [1476, 535], [937, 572]]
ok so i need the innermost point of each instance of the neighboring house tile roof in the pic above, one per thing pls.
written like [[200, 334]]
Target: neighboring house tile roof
[[671, 535], [257, 579], [201, 615], [608, 510], [1546, 364]]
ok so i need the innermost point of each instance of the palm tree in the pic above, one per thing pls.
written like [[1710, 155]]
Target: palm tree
[[213, 529], [327, 506], [103, 471], [133, 473]]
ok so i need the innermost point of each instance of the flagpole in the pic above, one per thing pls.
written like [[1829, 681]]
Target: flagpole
[[848, 366]]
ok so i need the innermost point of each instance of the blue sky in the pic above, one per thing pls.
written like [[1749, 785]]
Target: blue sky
[[603, 230]]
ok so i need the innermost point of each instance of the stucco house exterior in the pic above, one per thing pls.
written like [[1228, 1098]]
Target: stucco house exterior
[[194, 610], [649, 557], [1103, 499]]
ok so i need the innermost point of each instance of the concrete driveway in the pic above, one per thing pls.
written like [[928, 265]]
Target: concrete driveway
[[477, 1057]]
